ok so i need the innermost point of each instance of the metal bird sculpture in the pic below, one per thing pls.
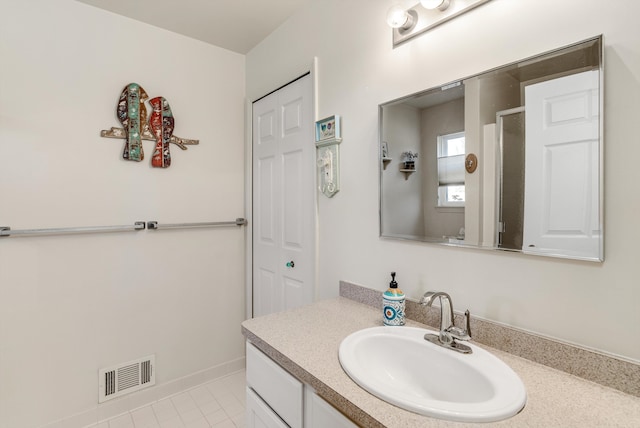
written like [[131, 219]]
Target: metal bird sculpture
[[132, 114], [161, 123]]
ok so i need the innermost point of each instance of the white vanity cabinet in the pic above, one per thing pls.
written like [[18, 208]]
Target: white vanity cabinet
[[320, 414], [259, 415], [276, 399], [280, 391]]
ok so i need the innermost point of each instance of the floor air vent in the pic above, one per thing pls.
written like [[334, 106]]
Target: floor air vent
[[125, 378]]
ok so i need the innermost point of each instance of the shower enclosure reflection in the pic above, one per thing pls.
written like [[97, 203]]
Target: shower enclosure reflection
[[511, 127], [535, 129]]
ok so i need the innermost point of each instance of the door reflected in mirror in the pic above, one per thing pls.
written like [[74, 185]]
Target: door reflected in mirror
[[533, 130]]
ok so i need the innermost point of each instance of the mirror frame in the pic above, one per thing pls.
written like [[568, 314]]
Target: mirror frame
[[600, 165]]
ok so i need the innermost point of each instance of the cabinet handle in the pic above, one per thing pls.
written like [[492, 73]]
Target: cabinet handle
[[291, 264]]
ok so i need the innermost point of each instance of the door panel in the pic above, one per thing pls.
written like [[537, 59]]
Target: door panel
[[264, 191], [293, 192], [292, 117], [564, 205], [294, 295], [284, 199], [562, 165], [266, 127]]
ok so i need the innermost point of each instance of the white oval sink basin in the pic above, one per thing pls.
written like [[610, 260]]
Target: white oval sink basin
[[397, 365]]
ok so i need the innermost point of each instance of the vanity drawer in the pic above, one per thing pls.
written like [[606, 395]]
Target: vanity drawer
[[259, 415], [281, 391]]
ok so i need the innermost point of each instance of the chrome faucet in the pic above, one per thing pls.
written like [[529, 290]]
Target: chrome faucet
[[449, 333]]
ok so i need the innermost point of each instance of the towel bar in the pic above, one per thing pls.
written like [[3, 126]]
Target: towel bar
[[6, 231], [154, 225]]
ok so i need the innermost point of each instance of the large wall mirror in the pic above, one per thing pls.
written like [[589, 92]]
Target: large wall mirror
[[509, 159]]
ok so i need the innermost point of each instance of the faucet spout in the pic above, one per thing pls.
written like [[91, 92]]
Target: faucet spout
[[446, 307], [448, 330]]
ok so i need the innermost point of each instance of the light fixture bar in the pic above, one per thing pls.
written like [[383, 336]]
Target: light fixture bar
[[428, 19]]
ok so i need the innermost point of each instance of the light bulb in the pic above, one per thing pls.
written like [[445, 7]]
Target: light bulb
[[397, 17], [435, 4]]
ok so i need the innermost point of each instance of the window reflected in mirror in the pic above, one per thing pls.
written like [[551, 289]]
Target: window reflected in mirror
[[451, 170]]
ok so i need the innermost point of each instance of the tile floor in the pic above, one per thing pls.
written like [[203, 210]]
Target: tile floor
[[219, 404]]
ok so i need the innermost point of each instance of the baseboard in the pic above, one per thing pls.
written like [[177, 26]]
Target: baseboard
[[118, 406]]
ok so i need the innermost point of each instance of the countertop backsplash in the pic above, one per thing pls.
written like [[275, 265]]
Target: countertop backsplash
[[591, 365]]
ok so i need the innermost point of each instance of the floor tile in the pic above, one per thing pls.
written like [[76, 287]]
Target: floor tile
[[99, 425], [191, 415], [183, 402], [164, 410], [201, 395], [122, 421], [198, 423], [144, 417], [225, 424], [175, 422], [219, 403], [210, 407], [239, 420], [217, 417]]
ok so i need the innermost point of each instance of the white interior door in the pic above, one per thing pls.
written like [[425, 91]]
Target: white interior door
[[561, 173], [283, 199]]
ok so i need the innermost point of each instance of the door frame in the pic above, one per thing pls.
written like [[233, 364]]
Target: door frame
[[248, 187]]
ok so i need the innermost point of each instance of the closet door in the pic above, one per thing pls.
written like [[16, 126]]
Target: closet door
[[284, 218]]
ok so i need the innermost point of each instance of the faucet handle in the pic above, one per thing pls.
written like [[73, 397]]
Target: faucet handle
[[459, 333], [467, 322]]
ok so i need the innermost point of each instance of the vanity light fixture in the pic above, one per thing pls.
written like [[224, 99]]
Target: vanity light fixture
[[397, 17], [407, 24], [435, 4]]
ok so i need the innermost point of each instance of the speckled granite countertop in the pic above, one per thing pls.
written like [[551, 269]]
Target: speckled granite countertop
[[305, 342]]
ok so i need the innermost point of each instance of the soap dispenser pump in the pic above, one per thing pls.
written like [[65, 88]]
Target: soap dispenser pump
[[393, 304]]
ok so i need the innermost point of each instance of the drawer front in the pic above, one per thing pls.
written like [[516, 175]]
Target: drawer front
[[281, 391], [320, 414], [259, 415]]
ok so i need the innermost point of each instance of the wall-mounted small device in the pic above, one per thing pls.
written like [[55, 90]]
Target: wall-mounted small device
[[328, 138], [328, 179]]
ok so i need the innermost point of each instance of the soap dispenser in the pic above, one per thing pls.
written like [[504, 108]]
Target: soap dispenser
[[393, 304]]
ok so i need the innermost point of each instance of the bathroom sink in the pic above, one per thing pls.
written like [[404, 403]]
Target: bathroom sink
[[397, 365]]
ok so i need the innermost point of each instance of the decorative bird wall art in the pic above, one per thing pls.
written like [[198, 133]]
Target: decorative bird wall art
[[132, 114], [161, 124]]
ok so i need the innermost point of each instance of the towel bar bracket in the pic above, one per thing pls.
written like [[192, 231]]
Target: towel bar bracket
[[153, 225]]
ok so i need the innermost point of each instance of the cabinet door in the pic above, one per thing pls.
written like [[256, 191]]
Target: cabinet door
[[281, 391], [259, 415], [320, 414]]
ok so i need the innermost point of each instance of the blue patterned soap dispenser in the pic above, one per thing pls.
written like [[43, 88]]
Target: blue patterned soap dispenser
[[393, 304]]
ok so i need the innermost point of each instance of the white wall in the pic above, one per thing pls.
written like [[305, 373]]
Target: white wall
[[72, 304], [438, 120], [592, 304], [402, 210]]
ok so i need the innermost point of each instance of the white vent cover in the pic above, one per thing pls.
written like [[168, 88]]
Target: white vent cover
[[125, 378]]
